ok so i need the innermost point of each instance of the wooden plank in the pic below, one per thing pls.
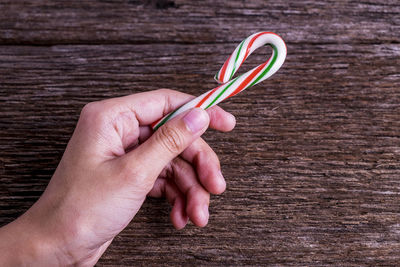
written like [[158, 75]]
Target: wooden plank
[[163, 21], [313, 177]]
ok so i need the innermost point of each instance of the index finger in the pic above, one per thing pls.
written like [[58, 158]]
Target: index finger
[[150, 106]]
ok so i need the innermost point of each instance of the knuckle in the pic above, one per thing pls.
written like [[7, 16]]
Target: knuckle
[[171, 139], [178, 164], [89, 109], [94, 113]]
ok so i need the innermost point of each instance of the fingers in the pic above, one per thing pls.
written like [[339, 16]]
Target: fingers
[[221, 120], [203, 159], [164, 145], [197, 198], [175, 198], [185, 190], [207, 165], [195, 185], [113, 123], [150, 106]]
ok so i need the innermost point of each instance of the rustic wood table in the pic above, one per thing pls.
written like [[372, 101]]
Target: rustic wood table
[[312, 168]]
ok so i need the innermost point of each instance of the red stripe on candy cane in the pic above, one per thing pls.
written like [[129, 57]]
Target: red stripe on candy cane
[[223, 70], [207, 96], [251, 44], [248, 79], [155, 123]]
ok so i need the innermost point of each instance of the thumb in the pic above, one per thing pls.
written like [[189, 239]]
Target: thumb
[[168, 142]]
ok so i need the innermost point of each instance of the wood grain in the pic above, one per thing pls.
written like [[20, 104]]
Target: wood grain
[[312, 167]]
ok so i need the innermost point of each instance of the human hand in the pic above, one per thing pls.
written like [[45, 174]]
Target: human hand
[[112, 162]]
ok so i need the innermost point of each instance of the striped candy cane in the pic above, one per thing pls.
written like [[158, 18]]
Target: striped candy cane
[[231, 87]]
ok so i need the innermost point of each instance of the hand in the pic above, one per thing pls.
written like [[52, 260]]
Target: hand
[[112, 162]]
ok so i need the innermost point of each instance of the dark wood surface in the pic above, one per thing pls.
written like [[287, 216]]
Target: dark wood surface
[[312, 168]]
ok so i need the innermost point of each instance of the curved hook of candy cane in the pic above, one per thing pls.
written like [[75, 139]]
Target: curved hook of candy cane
[[231, 87], [248, 46]]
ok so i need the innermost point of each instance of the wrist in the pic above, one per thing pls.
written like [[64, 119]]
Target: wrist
[[23, 243], [55, 235]]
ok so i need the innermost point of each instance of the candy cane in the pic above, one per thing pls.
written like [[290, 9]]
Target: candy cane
[[231, 87]]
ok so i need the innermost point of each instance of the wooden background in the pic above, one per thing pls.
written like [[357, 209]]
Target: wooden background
[[312, 168]]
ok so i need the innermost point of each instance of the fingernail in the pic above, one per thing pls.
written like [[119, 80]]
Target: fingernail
[[205, 212], [195, 120], [221, 179]]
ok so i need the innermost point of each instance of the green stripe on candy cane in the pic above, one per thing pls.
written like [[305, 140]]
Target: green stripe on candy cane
[[221, 93], [165, 119], [236, 59], [273, 60]]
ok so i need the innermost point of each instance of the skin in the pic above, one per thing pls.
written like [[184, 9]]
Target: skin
[[112, 162]]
